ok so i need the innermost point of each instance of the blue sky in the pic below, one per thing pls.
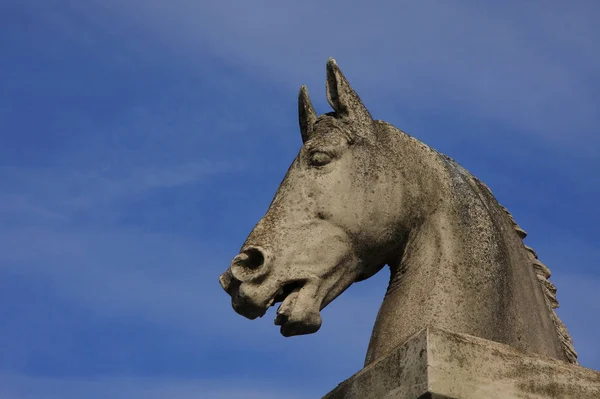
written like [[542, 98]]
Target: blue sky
[[141, 140]]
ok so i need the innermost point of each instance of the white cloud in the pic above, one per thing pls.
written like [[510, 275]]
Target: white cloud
[[521, 67], [77, 189], [14, 386], [133, 154]]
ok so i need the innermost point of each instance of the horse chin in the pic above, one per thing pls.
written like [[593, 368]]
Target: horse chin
[[302, 300], [299, 312]]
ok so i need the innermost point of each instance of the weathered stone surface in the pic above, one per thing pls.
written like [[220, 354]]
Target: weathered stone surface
[[440, 364], [361, 195]]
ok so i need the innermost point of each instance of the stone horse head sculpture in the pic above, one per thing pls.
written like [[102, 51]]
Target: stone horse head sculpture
[[362, 194]]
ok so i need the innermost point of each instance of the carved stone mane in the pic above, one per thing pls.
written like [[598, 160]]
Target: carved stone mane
[[543, 274]]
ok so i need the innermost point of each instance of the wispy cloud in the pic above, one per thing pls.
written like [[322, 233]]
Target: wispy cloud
[[26, 387], [511, 64], [77, 189]]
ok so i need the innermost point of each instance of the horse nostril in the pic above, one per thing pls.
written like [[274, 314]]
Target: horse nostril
[[252, 258], [249, 264]]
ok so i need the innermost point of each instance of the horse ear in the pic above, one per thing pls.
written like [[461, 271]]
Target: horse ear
[[306, 114], [342, 98]]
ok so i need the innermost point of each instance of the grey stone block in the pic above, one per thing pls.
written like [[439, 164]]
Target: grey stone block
[[439, 364]]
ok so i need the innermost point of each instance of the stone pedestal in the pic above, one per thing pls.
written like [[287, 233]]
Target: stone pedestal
[[440, 364]]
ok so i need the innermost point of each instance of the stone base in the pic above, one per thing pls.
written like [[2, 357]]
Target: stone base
[[440, 364]]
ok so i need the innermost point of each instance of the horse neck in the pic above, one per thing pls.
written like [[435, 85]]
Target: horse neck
[[464, 269]]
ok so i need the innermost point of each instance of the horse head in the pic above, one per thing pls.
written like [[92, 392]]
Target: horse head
[[361, 194], [329, 223]]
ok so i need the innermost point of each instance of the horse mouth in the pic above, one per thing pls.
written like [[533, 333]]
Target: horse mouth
[[298, 313], [287, 296]]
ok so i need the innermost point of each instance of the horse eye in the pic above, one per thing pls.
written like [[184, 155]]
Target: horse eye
[[319, 158]]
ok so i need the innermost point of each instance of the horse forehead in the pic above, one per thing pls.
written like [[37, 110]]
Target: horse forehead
[[327, 124]]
